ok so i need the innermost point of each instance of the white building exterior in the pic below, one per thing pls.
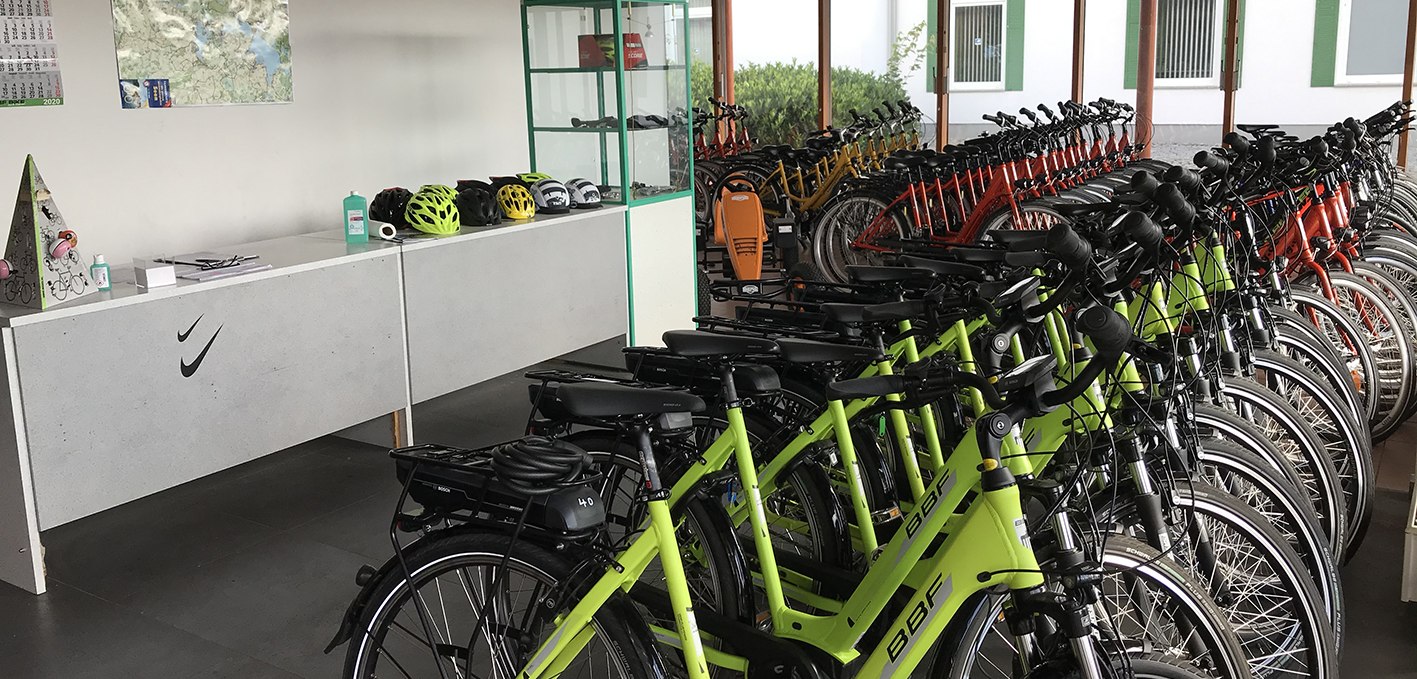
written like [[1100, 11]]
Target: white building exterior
[[1277, 71]]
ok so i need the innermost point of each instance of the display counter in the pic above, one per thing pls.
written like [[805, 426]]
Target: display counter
[[123, 394]]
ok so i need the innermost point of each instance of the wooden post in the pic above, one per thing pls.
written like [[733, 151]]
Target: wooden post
[[1230, 64], [716, 58], [1146, 75], [726, 8], [1079, 38], [942, 73], [824, 64], [1407, 77]]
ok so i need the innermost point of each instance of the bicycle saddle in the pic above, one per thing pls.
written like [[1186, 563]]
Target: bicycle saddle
[[858, 314], [942, 268], [614, 400], [809, 351], [697, 343], [885, 274]]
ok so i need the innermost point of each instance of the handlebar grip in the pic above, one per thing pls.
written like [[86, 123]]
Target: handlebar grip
[[1067, 245], [1317, 147], [1266, 151], [1144, 182], [1187, 180], [1170, 198], [1144, 232], [1212, 163], [1109, 331], [889, 108], [1240, 144]]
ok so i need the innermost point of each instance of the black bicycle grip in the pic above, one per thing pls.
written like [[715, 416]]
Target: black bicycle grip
[[993, 119], [1141, 229], [1238, 143], [1144, 182], [1187, 180], [889, 108], [1028, 113], [1109, 331], [1212, 163], [1316, 147], [1170, 198], [1266, 152], [1067, 245]]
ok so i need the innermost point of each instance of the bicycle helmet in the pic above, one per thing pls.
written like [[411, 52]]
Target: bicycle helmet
[[432, 212], [585, 195], [530, 178], [389, 206], [551, 197], [442, 189], [476, 207], [516, 202], [465, 184]]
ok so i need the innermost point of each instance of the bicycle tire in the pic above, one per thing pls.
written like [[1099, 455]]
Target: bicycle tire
[[1344, 336], [1342, 437], [841, 220], [1282, 425], [617, 625], [1302, 342], [1389, 331], [965, 638], [1245, 476], [1237, 536]]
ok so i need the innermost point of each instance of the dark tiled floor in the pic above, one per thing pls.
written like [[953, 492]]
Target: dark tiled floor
[[244, 574]]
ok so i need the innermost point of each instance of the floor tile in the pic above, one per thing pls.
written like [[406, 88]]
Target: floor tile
[[280, 601], [72, 635]]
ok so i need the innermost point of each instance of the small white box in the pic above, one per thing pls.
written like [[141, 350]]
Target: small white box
[[150, 274]]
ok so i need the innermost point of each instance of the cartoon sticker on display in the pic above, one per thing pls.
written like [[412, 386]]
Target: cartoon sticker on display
[[42, 254]]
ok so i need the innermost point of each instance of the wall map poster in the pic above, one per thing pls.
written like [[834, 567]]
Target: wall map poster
[[29, 56], [202, 52]]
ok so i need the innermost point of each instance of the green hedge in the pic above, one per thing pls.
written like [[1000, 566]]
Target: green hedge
[[782, 98]]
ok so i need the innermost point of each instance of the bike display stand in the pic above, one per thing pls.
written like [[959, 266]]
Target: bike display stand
[[37, 280]]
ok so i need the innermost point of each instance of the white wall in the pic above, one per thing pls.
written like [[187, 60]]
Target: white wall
[[386, 94]]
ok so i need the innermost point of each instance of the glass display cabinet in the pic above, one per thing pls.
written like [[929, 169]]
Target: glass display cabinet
[[607, 94], [607, 86]]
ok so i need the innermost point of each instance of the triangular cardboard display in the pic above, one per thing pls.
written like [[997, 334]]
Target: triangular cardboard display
[[36, 279]]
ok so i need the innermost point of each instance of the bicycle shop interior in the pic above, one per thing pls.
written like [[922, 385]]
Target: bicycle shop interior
[[426, 355]]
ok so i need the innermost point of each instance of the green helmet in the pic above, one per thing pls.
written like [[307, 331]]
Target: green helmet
[[432, 212], [530, 178], [441, 189]]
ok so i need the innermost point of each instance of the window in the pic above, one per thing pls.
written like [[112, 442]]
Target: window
[[978, 45], [1188, 43], [1372, 36]]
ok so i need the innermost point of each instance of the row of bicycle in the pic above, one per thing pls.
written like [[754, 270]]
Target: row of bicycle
[[1129, 443]]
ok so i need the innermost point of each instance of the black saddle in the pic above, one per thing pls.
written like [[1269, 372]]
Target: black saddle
[[886, 274], [857, 314], [942, 268], [807, 351], [613, 400], [697, 343]]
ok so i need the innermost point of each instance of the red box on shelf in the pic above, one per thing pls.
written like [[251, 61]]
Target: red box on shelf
[[598, 51]]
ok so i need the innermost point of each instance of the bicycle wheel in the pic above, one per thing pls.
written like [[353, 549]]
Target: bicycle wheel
[[1383, 331], [1302, 342], [1246, 477], [1254, 575], [1297, 441], [1033, 216], [841, 224], [459, 576], [1345, 337], [1402, 269], [1345, 441], [1147, 602]]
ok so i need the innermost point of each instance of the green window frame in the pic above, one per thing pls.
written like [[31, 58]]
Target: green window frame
[[1133, 42], [1013, 45]]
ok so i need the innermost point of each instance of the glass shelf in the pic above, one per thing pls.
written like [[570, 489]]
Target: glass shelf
[[565, 38]]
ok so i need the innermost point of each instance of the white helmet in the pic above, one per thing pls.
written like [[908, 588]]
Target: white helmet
[[585, 194], [551, 196]]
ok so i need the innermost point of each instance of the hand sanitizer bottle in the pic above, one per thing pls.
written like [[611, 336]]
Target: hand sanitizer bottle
[[99, 273], [356, 218]]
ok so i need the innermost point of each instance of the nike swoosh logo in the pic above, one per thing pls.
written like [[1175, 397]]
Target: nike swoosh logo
[[190, 370], [182, 336]]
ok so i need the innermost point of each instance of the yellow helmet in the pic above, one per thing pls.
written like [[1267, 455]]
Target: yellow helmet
[[516, 202]]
